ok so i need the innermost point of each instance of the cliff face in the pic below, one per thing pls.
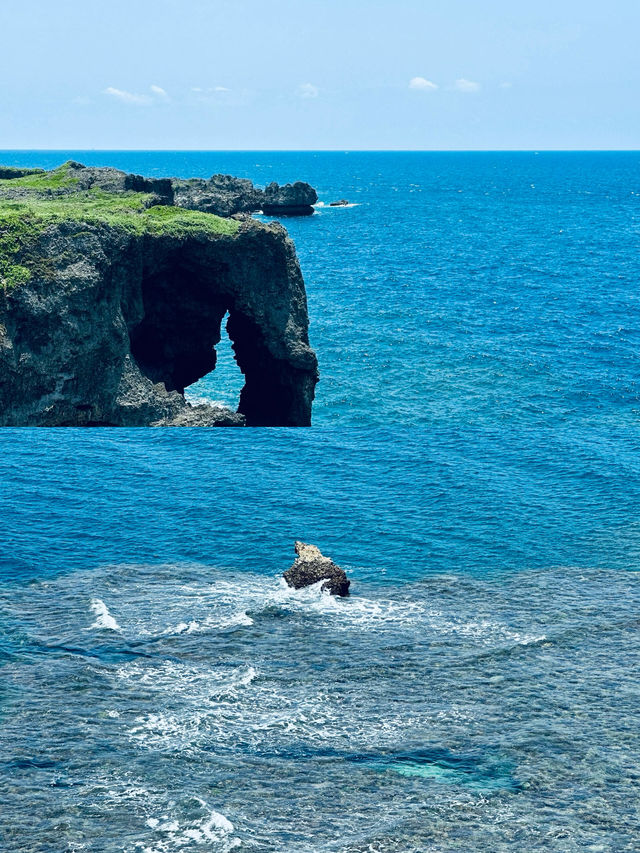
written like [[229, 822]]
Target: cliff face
[[111, 305]]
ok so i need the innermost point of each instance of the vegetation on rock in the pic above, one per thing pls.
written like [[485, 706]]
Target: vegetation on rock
[[30, 204]]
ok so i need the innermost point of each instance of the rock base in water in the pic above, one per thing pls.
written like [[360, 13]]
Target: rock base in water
[[312, 566]]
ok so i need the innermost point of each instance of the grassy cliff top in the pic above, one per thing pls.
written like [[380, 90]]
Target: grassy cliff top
[[33, 202]]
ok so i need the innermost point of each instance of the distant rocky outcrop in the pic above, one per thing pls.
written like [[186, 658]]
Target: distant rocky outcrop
[[225, 195], [111, 303], [291, 200], [311, 566]]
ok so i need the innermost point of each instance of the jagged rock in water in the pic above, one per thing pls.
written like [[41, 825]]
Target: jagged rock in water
[[311, 566], [111, 305], [290, 200], [226, 196]]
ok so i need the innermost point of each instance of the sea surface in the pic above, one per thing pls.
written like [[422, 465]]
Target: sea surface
[[475, 468]]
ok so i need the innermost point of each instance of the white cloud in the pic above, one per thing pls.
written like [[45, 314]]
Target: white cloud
[[160, 92], [127, 97], [307, 90], [422, 84], [210, 91], [506, 86], [467, 86]]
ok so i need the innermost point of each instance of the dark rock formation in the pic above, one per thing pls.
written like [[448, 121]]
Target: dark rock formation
[[223, 195], [10, 172], [115, 181], [226, 195], [311, 566], [110, 308], [291, 200]]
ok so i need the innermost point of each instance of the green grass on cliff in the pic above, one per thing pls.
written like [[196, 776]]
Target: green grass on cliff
[[23, 220], [57, 179]]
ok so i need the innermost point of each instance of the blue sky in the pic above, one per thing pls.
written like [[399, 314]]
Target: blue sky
[[319, 74]]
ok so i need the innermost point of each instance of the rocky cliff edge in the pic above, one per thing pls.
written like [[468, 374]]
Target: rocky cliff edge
[[111, 303]]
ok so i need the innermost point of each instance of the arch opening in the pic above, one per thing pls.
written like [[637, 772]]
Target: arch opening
[[191, 335], [175, 341], [224, 384]]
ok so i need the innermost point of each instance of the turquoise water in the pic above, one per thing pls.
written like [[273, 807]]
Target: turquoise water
[[162, 690]]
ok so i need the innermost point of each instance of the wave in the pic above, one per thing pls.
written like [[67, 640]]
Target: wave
[[104, 620], [327, 206], [174, 834], [208, 624]]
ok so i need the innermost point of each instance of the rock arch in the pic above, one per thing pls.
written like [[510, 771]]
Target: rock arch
[[186, 291], [131, 320]]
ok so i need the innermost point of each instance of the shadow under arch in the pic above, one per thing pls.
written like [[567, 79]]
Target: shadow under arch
[[186, 293]]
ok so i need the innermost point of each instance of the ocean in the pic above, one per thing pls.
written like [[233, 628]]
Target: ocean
[[474, 465]]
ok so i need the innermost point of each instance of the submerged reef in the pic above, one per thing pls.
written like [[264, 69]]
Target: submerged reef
[[311, 566], [112, 298]]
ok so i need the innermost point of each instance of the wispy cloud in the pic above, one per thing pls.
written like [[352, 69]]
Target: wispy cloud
[[421, 84], [505, 86], [157, 94], [211, 89], [160, 92], [307, 90], [467, 86], [127, 97]]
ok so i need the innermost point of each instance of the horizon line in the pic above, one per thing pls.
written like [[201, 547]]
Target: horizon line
[[337, 150]]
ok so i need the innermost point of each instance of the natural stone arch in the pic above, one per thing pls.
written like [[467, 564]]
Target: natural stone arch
[[117, 319], [185, 292]]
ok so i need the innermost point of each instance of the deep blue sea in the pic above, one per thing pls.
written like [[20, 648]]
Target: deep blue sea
[[474, 465]]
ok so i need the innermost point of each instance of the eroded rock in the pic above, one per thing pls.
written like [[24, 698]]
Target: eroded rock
[[311, 566], [111, 305], [225, 195], [290, 200]]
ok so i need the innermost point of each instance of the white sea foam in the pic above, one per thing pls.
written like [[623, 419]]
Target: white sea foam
[[172, 834], [346, 614], [217, 824], [199, 399], [323, 204], [487, 632], [209, 623], [104, 619], [206, 698]]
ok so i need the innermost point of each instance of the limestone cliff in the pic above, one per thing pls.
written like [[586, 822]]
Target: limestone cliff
[[111, 302]]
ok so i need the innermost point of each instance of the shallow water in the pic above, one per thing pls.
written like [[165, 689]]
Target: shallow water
[[163, 690], [222, 708]]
